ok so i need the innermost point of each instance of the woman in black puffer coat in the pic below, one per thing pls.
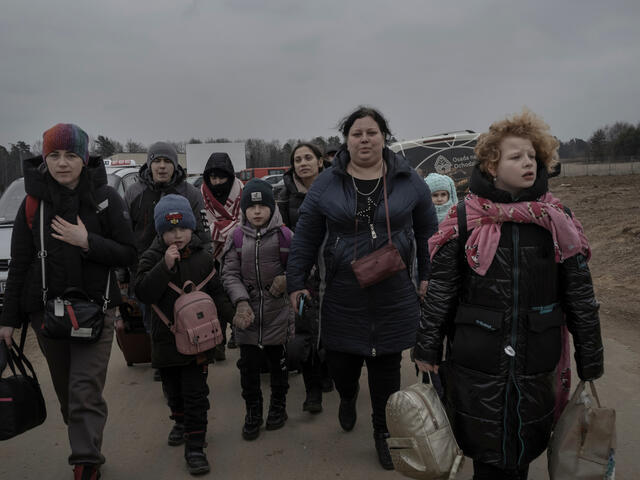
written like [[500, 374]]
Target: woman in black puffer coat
[[501, 302], [87, 233], [306, 165]]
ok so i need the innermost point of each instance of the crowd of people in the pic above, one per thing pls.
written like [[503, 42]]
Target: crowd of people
[[479, 290]]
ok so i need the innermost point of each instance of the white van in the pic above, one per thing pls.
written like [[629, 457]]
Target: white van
[[448, 154]]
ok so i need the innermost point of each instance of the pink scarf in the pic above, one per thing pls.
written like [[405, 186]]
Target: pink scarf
[[223, 219], [484, 219]]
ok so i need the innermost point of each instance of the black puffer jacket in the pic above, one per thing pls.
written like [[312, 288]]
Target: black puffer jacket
[[504, 335], [142, 198], [383, 318], [152, 281], [110, 240], [289, 200]]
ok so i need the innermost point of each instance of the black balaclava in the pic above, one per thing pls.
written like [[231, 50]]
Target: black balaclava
[[222, 190]]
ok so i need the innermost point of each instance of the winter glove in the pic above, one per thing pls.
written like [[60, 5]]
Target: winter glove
[[244, 315], [278, 286]]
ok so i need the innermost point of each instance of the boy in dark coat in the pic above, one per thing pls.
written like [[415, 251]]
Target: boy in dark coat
[[176, 256]]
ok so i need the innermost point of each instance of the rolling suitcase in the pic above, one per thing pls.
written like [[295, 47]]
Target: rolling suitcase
[[132, 338]]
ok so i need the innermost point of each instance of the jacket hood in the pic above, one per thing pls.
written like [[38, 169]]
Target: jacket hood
[[145, 177], [220, 161], [481, 185], [35, 175]]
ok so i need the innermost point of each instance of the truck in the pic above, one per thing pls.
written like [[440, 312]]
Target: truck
[[199, 153]]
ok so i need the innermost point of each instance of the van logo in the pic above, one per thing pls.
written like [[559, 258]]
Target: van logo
[[256, 196], [443, 165]]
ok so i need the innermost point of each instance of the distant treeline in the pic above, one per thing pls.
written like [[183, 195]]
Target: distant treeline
[[621, 139]]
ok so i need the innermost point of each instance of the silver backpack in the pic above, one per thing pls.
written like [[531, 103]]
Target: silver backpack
[[422, 444]]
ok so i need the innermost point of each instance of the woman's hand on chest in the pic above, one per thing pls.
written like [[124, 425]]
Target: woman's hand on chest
[[73, 234]]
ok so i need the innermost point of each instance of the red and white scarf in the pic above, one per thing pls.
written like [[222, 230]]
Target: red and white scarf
[[484, 219], [223, 219]]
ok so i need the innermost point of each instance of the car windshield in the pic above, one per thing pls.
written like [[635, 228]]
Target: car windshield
[[11, 200], [273, 179]]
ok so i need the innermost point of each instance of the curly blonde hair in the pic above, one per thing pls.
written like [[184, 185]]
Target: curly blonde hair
[[524, 125]]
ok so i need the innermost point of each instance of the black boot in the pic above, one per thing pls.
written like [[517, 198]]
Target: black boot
[[347, 414], [231, 343], [197, 462], [384, 456], [176, 435], [277, 412], [252, 421], [313, 402]]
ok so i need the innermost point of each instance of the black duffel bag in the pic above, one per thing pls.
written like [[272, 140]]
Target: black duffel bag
[[22, 406]]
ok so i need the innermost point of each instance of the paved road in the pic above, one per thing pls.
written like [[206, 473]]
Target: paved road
[[308, 447]]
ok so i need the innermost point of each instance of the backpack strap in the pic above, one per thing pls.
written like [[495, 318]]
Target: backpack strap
[[238, 237], [30, 207], [206, 280], [161, 315], [284, 238]]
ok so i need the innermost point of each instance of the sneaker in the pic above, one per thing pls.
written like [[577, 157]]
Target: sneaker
[[384, 456], [176, 435], [219, 353], [86, 472], [197, 462]]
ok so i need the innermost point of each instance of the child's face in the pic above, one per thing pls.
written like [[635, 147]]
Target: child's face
[[258, 215], [178, 236], [440, 197]]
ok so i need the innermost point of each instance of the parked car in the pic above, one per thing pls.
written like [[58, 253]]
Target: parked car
[[119, 177], [276, 181], [195, 180]]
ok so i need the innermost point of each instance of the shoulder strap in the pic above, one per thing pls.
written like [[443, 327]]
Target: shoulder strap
[[161, 315], [206, 280], [30, 207], [284, 239], [43, 255], [238, 237]]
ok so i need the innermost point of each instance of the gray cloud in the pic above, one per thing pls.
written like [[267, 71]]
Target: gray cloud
[[283, 69]]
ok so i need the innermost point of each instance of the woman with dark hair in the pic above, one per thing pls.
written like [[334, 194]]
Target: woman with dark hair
[[86, 234], [306, 164], [343, 217], [500, 293]]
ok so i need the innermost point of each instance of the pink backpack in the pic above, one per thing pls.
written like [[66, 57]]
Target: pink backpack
[[195, 318]]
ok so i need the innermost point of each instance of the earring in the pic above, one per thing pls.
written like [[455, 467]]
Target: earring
[[494, 179]]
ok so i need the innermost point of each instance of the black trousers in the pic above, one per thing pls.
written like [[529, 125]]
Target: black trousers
[[188, 398], [484, 471], [384, 379], [250, 363]]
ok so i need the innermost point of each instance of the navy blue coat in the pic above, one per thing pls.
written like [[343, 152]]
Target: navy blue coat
[[383, 318]]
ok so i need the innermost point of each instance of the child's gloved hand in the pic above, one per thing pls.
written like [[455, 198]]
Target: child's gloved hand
[[278, 286], [244, 315]]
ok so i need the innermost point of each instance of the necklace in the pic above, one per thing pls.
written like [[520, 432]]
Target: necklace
[[362, 193], [353, 180]]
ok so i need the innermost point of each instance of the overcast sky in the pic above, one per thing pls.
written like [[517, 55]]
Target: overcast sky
[[159, 69]]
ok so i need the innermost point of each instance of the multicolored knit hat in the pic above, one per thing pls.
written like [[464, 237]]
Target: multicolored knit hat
[[66, 136]]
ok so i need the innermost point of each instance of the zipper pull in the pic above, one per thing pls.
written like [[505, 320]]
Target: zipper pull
[[373, 352], [373, 231]]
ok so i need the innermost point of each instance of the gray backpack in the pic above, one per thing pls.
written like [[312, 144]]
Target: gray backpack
[[422, 444]]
